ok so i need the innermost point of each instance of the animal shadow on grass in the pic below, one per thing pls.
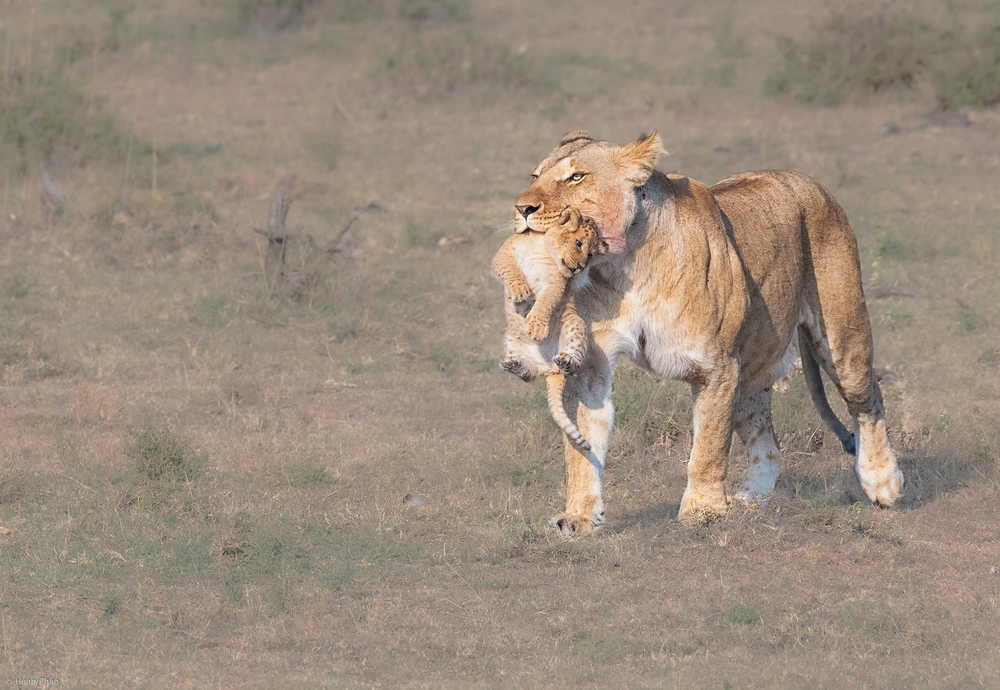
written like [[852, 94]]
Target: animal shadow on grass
[[928, 476], [941, 472], [653, 514]]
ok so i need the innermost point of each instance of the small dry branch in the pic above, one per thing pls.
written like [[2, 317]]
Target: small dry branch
[[883, 292], [53, 197], [334, 246], [277, 237], [301, 278]]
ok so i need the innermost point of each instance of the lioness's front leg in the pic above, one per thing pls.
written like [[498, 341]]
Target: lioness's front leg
[[705, 495], [588, 397]]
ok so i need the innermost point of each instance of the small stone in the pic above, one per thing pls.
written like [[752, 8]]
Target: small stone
[[890, 128]]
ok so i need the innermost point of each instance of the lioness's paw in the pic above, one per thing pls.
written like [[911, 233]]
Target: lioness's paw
[[884, 488], [566, 363], [703, 506], [571, 523], [538, 328]]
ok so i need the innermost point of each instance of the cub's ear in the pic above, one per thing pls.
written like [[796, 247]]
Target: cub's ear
[[639, 158]]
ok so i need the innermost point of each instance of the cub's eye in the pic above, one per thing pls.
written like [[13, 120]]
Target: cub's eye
[[579, 243], [576, 177]]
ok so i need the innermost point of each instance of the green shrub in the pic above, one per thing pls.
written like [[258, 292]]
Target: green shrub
[[969, 75], [881, 52], [847, 54], [159, 454], [48, 116], [283, 14], [277, 14]]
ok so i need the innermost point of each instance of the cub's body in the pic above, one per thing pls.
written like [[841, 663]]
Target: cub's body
[[545, 336]]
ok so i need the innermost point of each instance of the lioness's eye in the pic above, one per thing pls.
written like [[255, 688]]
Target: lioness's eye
[[579, 243], [576, 177]]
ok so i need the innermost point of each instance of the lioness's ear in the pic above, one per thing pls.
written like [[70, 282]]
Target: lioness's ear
[[578, 135], [639, 157]]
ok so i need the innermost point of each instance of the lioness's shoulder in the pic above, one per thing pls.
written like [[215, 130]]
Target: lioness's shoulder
[[691, 199]]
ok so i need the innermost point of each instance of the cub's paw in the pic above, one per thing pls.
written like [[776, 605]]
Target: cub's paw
[[516, 368], [519, 291], [572, 523], [567, 364], [538, 328]]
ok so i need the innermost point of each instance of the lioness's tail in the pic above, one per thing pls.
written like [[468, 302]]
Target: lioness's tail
[[555, 384], [810, 369]]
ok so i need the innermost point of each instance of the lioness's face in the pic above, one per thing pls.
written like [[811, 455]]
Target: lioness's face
[[597, 177]]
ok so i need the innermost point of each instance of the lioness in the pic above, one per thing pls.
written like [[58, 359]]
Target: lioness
[[542, 263], [707, 286]]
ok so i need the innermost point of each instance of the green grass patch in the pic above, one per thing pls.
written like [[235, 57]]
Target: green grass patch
[[871, 623], [530, 408], [162, 455], [656, 411], [325, 147]]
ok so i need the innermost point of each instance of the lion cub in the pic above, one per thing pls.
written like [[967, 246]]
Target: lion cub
[[550, 339]]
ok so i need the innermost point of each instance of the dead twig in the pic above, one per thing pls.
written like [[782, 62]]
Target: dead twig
[[343, 111], [276, 237], [53, 195], [883, 292], [333, 246], [128, 162]]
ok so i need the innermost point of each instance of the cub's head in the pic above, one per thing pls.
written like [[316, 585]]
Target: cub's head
[[573, 241], [597, 177]]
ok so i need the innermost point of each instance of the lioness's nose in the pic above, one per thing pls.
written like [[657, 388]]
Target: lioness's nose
[[526, 210]]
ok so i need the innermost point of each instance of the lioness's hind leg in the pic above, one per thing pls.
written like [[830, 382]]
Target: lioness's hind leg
[[754, 426], [849, 342]]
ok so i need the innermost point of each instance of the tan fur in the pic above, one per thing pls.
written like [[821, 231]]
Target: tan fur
[[708, 286], [542, 262]]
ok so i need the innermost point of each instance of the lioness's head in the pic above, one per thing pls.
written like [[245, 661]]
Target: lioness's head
[[573, 241], [597, 177]]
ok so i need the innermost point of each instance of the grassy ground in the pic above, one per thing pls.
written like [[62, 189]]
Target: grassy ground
[[204, 473]]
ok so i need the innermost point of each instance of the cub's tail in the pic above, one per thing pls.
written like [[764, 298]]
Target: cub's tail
[[810, 369], [555, 384]]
